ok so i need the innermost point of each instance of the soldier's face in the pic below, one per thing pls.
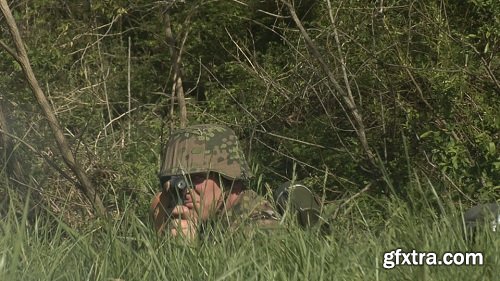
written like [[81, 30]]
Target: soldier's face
[[206, 195]]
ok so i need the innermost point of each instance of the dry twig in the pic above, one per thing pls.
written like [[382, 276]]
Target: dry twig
[[346, 96], [85, 183]]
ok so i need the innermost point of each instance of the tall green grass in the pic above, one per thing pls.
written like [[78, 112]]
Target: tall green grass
[[127, 249]]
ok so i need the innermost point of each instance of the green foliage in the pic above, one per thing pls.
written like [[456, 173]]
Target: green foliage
[[422, 77], [126, 248]]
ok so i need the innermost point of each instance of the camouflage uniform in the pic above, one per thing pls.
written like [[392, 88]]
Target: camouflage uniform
[[250, 210], [215, 148]]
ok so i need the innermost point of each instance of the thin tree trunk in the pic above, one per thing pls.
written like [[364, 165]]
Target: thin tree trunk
[[62, 144], [129, 91], [346, 96], [176, 52]]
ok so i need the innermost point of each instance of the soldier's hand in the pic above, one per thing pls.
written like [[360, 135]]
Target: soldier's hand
[[183, 221], [166, 213]]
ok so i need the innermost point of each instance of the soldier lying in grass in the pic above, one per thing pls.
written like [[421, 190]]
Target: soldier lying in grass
[[204, 178]]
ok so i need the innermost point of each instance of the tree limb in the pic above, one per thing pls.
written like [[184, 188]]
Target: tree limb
[[176, 54], [345, 95], [44, 156], [10, 51], [62, 144]]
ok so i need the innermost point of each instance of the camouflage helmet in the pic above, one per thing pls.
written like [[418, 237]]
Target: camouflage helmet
[[204, 148]]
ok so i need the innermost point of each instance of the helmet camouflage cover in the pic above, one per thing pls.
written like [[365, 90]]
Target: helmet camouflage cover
[[204, 148]]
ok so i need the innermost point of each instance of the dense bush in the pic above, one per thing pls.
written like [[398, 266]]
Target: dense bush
[[421, 74]]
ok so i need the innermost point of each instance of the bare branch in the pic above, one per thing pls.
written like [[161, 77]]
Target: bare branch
[[176, 54], [109, 123], [337, 210], [85, 183], [41, 154], [129, 93], [345, 95], [10, 51]]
